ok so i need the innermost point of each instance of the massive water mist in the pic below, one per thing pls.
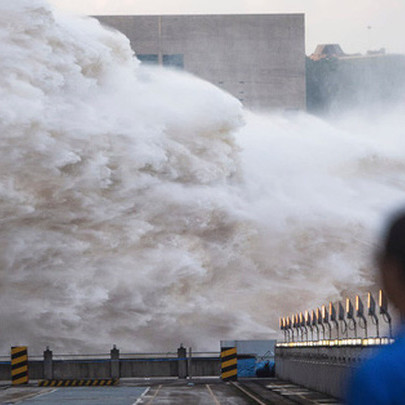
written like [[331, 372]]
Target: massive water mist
[[145, 208]]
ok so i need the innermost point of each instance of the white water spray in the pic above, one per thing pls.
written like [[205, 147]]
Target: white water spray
[[136, 208]]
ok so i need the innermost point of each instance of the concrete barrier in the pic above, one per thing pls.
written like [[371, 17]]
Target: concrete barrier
[[205, 366], [77, 369], [35, 370], [116, 366], [323, 369]]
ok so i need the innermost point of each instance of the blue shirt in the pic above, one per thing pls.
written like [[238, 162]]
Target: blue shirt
[[380, 380]]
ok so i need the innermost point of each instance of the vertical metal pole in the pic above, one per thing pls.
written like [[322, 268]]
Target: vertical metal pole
[[330, 330], [337, 329], [377, 326], [389, 321], [189, 361], [323, 331], [317, 332], [354, 327], [345, 329]]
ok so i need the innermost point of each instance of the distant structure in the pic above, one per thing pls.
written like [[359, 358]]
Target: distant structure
[[325, 51], [330, 51], [337, 81], [378, 52], [260, 59]]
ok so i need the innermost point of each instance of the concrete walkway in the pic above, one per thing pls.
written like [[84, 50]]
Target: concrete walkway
[[14, 395], [201, 394], [88, 396], [151, 391]]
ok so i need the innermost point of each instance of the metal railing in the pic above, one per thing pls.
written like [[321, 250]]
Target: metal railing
[[338, 324]]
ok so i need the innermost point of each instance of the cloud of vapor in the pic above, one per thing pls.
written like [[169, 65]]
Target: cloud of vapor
[[144, 207]]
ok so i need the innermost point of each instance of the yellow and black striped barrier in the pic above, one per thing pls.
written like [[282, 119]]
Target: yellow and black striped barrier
[[79, 383], [229, 364], [19, 365]]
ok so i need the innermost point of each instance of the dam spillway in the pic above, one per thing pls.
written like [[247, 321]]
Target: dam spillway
[[139, 201]]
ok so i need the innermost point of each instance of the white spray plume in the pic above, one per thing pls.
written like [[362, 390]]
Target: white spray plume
[[136, 209]]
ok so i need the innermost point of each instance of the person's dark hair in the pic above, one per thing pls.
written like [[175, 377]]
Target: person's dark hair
[[394, 242]]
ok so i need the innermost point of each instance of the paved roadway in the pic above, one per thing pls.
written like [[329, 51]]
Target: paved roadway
[[201, 394], [167, 392], [179, 394], [79, 395]]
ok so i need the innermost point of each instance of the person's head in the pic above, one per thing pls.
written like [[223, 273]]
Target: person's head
[[392, 262]]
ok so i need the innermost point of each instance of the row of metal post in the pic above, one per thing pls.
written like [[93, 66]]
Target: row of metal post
[[296, 327]]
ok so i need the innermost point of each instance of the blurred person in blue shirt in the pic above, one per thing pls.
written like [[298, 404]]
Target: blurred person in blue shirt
[[381, 379]]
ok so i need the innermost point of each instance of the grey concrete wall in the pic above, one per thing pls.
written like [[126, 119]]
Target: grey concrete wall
[[149, 368], [5, 371], [35, 370], [260, 59], [206, 367], [92, 368], [324, 369], [81, 369]]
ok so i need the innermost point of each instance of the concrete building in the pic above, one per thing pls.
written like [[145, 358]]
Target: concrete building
[[338, 82], [260, 59]]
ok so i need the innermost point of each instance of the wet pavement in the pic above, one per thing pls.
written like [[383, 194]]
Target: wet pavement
[[79, 395], [147, 391], [13, 395], [201, 394]]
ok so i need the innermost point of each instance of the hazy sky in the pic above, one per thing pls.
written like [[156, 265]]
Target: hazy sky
[[357, 25]]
